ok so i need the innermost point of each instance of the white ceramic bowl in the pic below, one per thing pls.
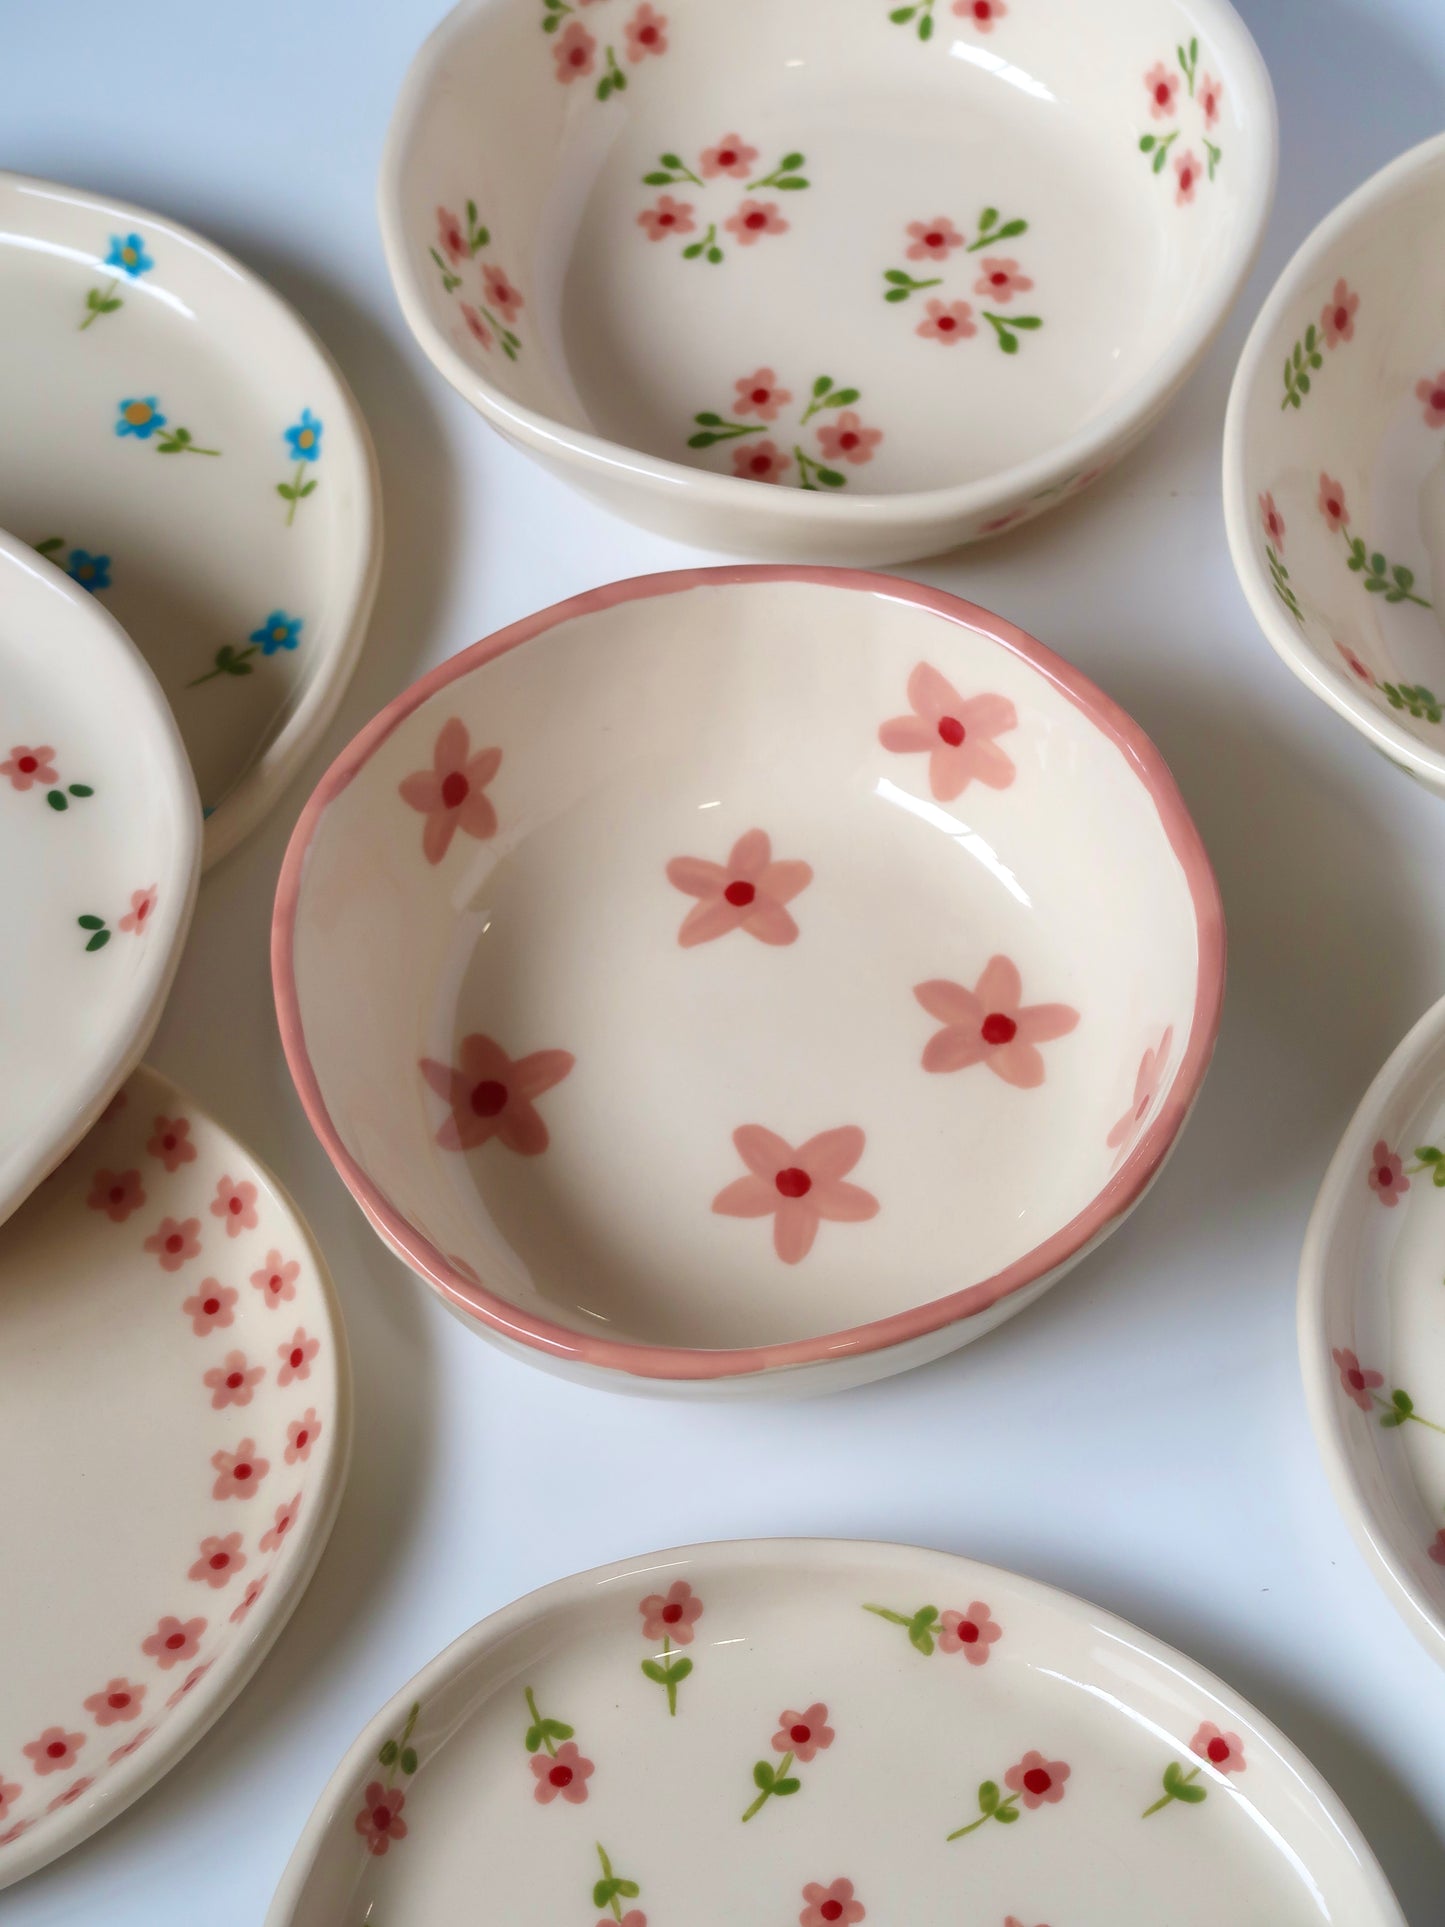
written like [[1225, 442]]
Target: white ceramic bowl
[[1372, 1327], [1334, 462], [686, 978], [930, 267], [818, 1732], [100, 850], [180, 443]]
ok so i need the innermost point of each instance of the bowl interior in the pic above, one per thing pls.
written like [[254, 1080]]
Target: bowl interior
[[810, 956], [848, 247], [1340, 469]]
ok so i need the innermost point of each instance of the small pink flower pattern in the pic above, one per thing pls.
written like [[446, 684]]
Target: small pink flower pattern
[[1272, 520], [1386, 1175], [932, 240], [450, 235], [1223, 1751], [1147, 1080], [238, 1473], [749, 892], [1337, 317], [70, 1795], [379, 1821], [54, 1752], [760, 394], [476, 327], [830, 1906], [667, 219], [219, 1560], [282, 1523], [574, 53], [248, 1599], [1037, 1781], [761, 462], [296, 1354], [946, 321], [211, 1308], [1186, 176], [958, 734], [804, 1734], [982, 13], [732, 156], [25, 766], [848, 440], [491, 1095], [1355, 664], [451, 795], [501, 295], [276, 1279], [142, 903], [798, 1188], [174, 1640], [119, 1699], [564, 1773], [753, 220], [1355, 1382], [646, 34], [1332, 503], [233, 1382], [1209, 93], [174, 1242], [117, 1194], [1430, 393], [171, 1142], [671, 1615], [191, 1681], [301, 1434], [991, 1025], [132, 1745], [235, 1206], [13, 1833], [1163, 87], [1435, 1550], [1000, 279], [972, 1633]]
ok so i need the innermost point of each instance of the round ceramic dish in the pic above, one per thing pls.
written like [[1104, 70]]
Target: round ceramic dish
[[100, 840], [178, 442], [686, 993], [819, 1732], [925, 268], [169, 1331], [1372, 1327], [1334, 462]]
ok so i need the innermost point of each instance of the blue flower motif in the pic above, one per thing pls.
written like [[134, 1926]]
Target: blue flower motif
[[278, 631], [305, 437], [128, 254], [139, 416], [90, 571]]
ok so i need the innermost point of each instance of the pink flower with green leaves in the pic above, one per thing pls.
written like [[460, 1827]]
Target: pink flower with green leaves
[[25, 766], [833, 1905], [848, 440], [563, 1774], [1331, 502], [574, 53], [1037, 1781], [759, 394], [732, 155], [1356, 1382], [476, 327], [980, 13], [142, 903], [1187, 171], [973, 1633], [753, 220], [379, 1822], [1386, 1174], [1162, 87], [1224, 1751], [948, 322], [1209, 92], [804, 1734], [646, 34], [1430, 393], [1271, 519], [932, 240], [761, 461], [1000, 280], [451, 236], [667, 219], [797, 1187], [1337, 317], [672, 1614]]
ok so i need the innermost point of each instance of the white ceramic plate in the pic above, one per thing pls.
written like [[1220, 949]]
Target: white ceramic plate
[[685, 978], [816, 1733], [100, 840], [1334, 462], [175, 1420], [831, 280], [1372, 1326], [158, 400]]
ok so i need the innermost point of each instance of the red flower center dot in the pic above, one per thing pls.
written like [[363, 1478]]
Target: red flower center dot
[[1342, 318], [967, 1631], [983, 9], [302, 1437], [381, 1818], [297, 1357], [489, 1097], [664, 220], [1037, 1781], [648, 36], [761, 464], [211, 1306], [848, 439], [999, 1029], [242, 1472], [274, 1282], [219, 1561], [756, 220], [740, 895], [831, 1910], [1384, 1177], [951, 730], [1355, 1379], [799, 1734], [168, 1142], [234, 1205], [761, 395], [671, 1614], [999, 278], [560, 1776], [116, 1193], [57, 1750], [1437, 399], [175, 1241], [174, 1640], [143, 910], [793, 1183], [29, 765], [233, 1379], [933, 239], [1218, 1751], [578, 56], [726, 157], [117, 1700], [946, 324]]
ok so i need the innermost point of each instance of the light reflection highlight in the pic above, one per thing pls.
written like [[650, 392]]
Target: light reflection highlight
[[967, 839]]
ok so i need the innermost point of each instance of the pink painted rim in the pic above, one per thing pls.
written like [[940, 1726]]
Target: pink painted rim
[[1117, 1197]]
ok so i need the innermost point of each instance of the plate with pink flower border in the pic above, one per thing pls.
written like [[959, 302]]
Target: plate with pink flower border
[[1372, 1326], [798, 1733], [161, 1274]]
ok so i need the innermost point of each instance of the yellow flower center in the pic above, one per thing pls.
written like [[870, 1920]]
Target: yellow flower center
[[278, 634], [306, 437], [128, 255], [138, 413], [87, 570]]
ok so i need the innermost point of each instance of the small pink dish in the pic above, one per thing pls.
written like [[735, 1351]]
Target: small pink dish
[[685, 979]]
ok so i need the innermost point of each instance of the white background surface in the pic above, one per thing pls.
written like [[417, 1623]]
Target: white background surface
[[1139, 1437]]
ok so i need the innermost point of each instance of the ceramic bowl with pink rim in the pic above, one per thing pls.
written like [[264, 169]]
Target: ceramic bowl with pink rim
[[1334, 463], [686, 979], [842, 280]]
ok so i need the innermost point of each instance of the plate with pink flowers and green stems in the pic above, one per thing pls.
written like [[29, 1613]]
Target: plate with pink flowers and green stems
[[808, 1733]]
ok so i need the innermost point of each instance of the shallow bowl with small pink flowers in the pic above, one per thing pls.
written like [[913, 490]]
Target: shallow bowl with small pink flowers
[[747, 979], [1372, 1327], [835, 280], [174, 1428], [822, 1734], [1334, 463], [100, 849]]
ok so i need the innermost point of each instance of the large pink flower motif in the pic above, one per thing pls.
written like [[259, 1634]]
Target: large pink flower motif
[[25, 766], [798, 1188], [117, 1194], [1038, 1782], [1386, 1176], [759, 394], [971, 1633], [671, 1615], [566, 1773], [220, 1558], [1337, 317], [732, 155], [491, 1095], [1271, 518], [235, 1205], [804, 1734], [142, 903], [667, 219], [573, 53], [830, 1906], [174, 1640], [982, 13], [1209, 93], [1186, 176], [238, 1473], [1147, 1079], [276, 1279], [281, 1524], [747, 892], [753, 220], [1430, 393], [476, 327], [1355, 1382], [932, 240], [957, 732], [117, 1700], [761, 461], [646, 33], [501, 295], [1355, 663], [452, 240], [379, 1821], [301, 1434], [999, 279], [296, 1354], [947, 321], [847, 440], [54, 1751], [210, 1308], [451, 795], [1332, 503], [170, 1141], [1224, 1751], [174, 1241], [1162, 87], [233, 1382], [990, 1025]]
